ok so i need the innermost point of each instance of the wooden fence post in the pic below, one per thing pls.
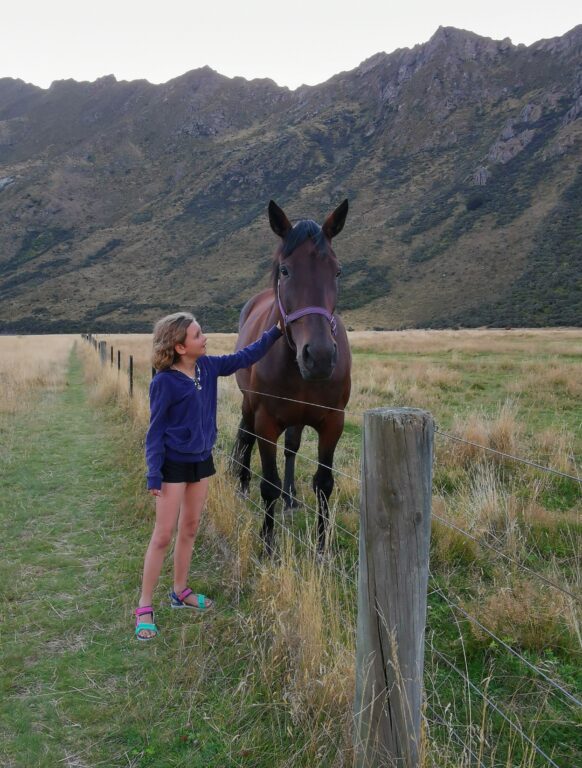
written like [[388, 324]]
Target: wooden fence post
[[397, 455], [112, 355], [102, 351], [118, 359], [131, 375]]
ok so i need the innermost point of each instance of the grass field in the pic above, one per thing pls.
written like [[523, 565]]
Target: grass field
[[268, 679]]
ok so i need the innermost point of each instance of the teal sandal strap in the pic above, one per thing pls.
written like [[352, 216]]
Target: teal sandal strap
[[141, 626]]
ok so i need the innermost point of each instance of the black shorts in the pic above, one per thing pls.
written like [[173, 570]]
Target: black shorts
[[187, 471]]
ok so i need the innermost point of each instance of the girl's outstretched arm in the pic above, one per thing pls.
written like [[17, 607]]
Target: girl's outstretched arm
[[227, 364]]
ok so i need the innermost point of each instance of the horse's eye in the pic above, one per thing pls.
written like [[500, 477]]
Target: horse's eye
[[284, 271], [338, 273]]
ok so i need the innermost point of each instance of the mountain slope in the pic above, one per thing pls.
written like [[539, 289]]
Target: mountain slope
[[120, 201]]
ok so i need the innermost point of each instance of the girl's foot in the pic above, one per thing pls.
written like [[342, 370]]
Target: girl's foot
[[188, 599], [145, 629]]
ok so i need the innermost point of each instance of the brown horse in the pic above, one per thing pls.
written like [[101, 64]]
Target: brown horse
[[305, 377]]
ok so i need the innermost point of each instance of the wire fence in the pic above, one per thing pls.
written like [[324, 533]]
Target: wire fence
[[509, 456], [556, 686]]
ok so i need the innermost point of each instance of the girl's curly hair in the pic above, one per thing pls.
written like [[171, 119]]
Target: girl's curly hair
[[168, 332]]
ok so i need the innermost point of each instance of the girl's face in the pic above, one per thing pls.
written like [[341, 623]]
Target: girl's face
[[194, 345]]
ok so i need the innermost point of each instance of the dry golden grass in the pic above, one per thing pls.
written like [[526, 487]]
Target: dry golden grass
[[29, 364], [531, 341], [233, 525], [500, 432], [311, 635], [556, 446], [112, 386], [509, 614], [553, 374]]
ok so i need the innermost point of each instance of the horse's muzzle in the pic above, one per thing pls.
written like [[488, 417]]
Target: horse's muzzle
[[317, 361]]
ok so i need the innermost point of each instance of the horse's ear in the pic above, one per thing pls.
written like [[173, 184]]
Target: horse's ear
[[334, 223], [280, 224]]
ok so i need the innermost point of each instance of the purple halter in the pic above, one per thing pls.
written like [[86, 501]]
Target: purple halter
[[288, 319]]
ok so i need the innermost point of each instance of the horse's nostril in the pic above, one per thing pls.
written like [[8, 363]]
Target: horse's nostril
[[307, 359]]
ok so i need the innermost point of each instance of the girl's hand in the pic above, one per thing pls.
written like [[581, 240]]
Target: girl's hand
[[155, 492]]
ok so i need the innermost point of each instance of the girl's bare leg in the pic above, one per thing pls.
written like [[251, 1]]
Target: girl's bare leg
[[167, 511], [188, 522]]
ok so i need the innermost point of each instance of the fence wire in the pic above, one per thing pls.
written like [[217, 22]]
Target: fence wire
[[554, 683], [494, 706], [540, 576], [510, 456]]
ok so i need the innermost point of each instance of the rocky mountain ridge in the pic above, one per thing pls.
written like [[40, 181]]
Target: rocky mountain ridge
[[461, 158]]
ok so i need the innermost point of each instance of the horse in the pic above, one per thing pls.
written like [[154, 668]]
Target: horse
[[305, 378]]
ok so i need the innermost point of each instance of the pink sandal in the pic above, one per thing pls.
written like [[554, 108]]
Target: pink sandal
[[139, 625], [177, 601]]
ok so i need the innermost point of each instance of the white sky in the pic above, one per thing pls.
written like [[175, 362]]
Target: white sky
[[294, 42]]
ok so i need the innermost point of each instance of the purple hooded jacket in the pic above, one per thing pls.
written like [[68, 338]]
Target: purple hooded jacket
[[183, 417]]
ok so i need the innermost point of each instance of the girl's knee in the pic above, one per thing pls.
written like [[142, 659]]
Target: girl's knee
[[188, 530], [161, 539]]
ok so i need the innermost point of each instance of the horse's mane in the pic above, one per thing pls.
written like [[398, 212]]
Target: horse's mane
[[295, 237]]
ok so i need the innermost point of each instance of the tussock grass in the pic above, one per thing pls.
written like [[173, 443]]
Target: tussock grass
[[508, 614], [500, 432], [557, 447], [305, 641], [233, 525]]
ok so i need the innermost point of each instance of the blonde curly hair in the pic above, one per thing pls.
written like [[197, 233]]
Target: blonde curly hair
[[168, 332]]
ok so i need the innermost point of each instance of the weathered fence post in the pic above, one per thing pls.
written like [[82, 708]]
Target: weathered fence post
[[131, 375], [397, 457], [118, 359], [102, 351], [112, 355]]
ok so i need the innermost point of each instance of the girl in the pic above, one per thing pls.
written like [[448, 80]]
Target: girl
[[179, 444]]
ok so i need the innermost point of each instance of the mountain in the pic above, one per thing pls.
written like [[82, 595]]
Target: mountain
[[461, 159]]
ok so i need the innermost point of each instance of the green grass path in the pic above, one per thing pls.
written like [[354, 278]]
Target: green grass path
[[76, 688]]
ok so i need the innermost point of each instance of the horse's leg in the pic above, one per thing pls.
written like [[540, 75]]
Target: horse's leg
[[323, 482], [292, 443], [268, 429], [241, 455]]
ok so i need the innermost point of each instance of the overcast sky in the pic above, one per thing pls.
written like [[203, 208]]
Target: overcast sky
[[295, 42]]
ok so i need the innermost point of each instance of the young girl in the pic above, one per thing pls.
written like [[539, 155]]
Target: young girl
[[179, 442]]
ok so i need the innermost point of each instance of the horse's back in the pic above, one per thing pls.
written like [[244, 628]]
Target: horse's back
[[253, 318]]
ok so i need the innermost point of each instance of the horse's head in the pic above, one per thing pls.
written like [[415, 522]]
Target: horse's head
[[305, 280]]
